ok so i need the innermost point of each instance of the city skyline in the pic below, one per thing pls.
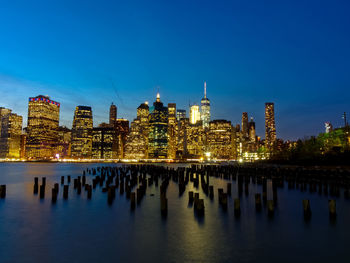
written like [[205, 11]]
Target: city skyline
[[247, 53]]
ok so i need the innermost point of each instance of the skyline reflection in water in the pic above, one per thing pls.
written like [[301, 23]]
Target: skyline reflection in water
[[82, 230]]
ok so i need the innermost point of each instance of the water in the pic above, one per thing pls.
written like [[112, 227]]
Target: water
[[81, 230]]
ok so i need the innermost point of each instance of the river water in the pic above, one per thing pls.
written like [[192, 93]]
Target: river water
[[82, 230]]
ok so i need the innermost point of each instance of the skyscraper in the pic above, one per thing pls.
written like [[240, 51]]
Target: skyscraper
[[194, 114], [122, 131], [112, 114], [10, 134], [251, 128], [82, 132], [180, 114], [43, 121], [270, 128], [172, 130], [158, 132], [104, 142], [205, 108], [221, 141], [136, 146], [245, 131]]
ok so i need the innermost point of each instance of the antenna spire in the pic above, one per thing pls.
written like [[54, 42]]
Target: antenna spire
[[205, 89]]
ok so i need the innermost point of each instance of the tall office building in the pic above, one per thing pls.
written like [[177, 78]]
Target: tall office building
[[112, 114], [251, 128], [221, 141], [270, 128], [195, 115], [181, 140], [10, 134], [195, 140], [158, 130], [82, 133], [122, 131], [64, 142], [104, 145], [136, 146], [43, 121], [205, 108], [142, 115], [180, 114], [245, 129], [172, 128]]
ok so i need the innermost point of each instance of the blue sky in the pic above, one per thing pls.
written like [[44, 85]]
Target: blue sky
[[294, 53]]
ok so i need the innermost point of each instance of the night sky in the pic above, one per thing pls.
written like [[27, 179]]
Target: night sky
[[293, 53]]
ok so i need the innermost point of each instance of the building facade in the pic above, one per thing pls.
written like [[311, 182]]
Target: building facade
[[221, 139], [104, 144], [270, 127], [42, 125], [180, 114], [195, 140], [64, 142], [205, 108], [112, 114], [136, 146], [172, 130], [122, 131], [158, 130], [82, 133], [195, 114], [10, 134]]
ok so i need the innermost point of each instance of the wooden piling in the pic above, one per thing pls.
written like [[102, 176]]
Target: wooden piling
[[190, 197], [3, 191], [42, 191], [237, 207], [53, 195], [65, 191]]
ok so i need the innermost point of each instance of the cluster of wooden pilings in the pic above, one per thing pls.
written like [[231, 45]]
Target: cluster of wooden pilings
[[133, 180]]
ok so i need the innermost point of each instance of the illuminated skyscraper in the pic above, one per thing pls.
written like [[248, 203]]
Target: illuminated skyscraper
[[205, 108], [142, 115], [172, 130], [122, 131], [10, 134], [158, 132], [136, 146], [82, 133], [245, 130], [221, 141], [194, 114], [195, 136], [104, 144], [181, 141], [180, 114], [43, 121], [64, 142], [112, 114], [252, 133], [270, 128]]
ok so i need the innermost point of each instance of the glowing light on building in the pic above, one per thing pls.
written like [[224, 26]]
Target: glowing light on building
[[195, 115], [205, 108], [43, 120]]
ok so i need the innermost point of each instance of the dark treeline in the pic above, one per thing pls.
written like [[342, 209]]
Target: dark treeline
[[326, 149]]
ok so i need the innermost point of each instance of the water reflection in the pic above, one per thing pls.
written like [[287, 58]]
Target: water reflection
[[35, 230]]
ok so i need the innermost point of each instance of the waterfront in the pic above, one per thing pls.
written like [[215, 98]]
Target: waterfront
[[82, 230]]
